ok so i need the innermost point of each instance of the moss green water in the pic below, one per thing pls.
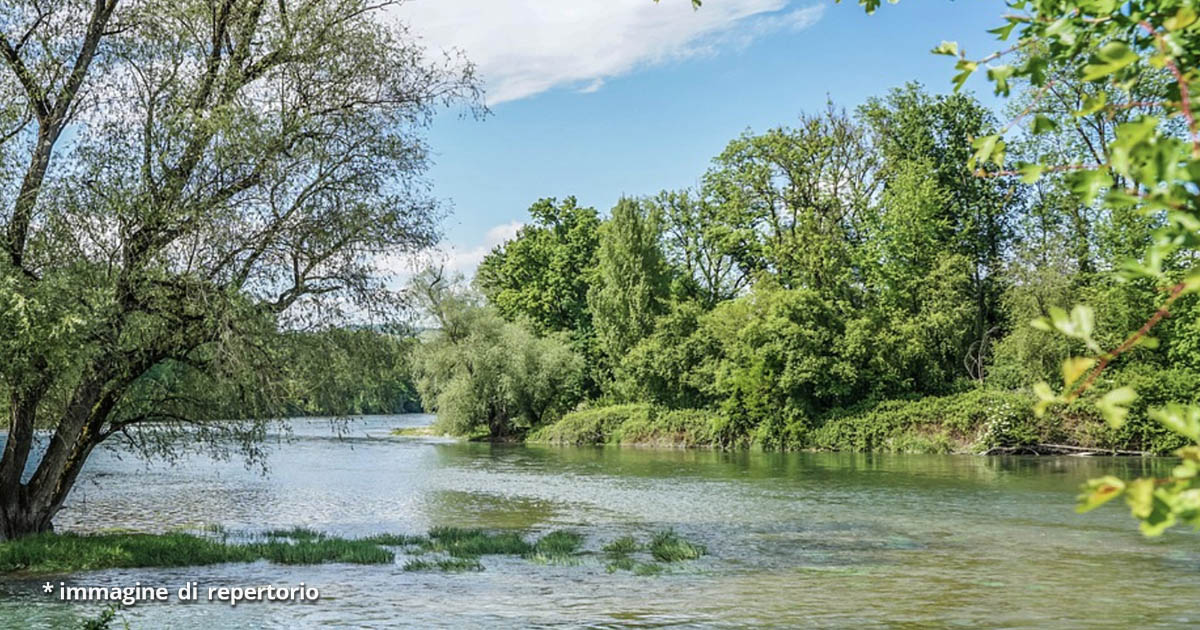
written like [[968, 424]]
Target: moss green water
[[792, 540]]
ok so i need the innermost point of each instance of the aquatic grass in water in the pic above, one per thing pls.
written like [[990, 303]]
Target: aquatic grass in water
[[295, 533], [323, 551], [449, 565], [53, 553], [465, 543], [623, 545], [56, 553], [396, 540], [667, 546]]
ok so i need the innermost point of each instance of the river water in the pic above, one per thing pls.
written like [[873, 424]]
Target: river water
[[802, 540]]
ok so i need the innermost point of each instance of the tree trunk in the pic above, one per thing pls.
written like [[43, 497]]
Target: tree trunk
[[18, 517]]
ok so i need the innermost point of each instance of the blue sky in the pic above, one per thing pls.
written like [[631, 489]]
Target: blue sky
[[603, 98]]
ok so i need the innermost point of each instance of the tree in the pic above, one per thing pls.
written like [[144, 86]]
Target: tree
[[796, 196], [631, 282], [480, 373], [231, 170], [924, 143], [1145, 168], [542, 274], [702, 243]]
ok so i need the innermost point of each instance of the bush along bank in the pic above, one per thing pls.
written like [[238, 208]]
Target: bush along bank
[[975, 421]]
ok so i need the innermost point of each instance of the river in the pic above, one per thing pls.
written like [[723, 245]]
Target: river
[[796, 540]]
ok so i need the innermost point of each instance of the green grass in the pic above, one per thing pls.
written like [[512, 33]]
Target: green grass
[[559, 547], [323, 551], [295, 533], [466, 543], [448, 565], [58, 553], [622, 546], [397, 540], [667, 546], [460, 550]]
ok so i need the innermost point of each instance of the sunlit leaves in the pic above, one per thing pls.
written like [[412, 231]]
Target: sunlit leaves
[[1112, 57], [1078, 324], [1180, 418], [1000, 75], [1030, 173], [1045, 398], [1073, 368], [1183, 18], [1088, 184], [1097, 492], [987, 149], [946, 48], [1043, 124], [1114, 405], [965, 69]]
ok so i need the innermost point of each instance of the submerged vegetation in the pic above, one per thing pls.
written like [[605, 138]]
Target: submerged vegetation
[[449, 549]]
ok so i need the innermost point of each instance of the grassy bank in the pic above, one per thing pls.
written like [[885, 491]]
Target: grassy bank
[[973, 421], [441, 549]]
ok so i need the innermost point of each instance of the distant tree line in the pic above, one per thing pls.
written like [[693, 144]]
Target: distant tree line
[[851, 259]]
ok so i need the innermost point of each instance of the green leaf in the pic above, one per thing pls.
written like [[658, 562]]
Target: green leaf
[[1030, 173], [1111, 58], [1097, 492], [946, 48], [1075, 367], [1182, 419], [1114, 405], [1091, 105], [1046, 397], [1182, 19], [1139, 495], [1044, 124], [1003, 32], [1087, 184], [987, 148], [966, 69], [999, 75]]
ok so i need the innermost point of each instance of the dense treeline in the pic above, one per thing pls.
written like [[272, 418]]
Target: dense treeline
[[818, 277]]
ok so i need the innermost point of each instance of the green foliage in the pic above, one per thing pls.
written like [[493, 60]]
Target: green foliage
[[971, 421], [591, 426], [542, 274], [465, 543], [53, 553], [449, 565], [151, 260], [481, 373], [667, 546], [1119, 46], [349, 372], [631, 283]]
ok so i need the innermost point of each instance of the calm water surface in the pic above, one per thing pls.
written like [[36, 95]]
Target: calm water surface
[[795, 540]]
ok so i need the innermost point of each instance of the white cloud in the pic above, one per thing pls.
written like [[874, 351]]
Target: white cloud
[[452, 258], [525, 47], [466, 259]]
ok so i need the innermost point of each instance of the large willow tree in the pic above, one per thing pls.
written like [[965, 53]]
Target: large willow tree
[[179, 181]]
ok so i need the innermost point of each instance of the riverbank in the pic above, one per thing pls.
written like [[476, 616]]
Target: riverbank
[[975, 421]]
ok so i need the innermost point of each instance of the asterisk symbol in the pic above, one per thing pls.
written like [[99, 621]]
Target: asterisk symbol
[[47, 588]]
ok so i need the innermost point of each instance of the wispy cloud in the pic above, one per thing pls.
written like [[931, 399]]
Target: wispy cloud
[[525, 47], [463, 259]]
